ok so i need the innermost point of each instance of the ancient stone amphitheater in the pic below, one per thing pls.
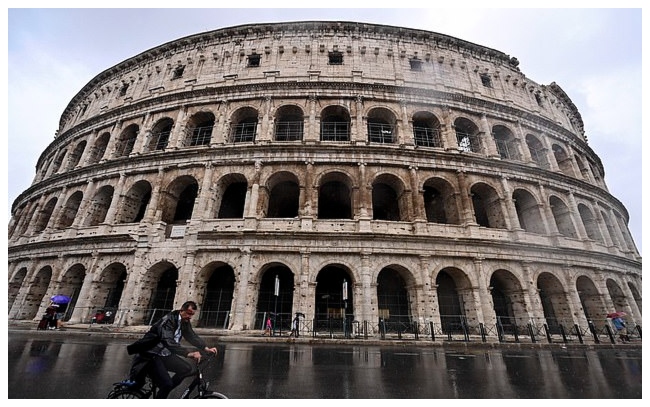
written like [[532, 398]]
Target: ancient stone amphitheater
[[363, 176]]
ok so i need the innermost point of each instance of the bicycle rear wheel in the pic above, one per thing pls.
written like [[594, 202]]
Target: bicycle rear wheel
[[125, 393], [213, 395]]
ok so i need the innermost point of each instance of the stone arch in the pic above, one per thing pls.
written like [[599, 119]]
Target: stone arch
[[160, 283], [636, 295], [243, 126], [537, 151], [135, 202], [231, 196], [468, 136], [69, 211], [562, 217], [331, 307], [619, 300], [160, 133], [389, 202], [15, 283], [99, 148], [289, 123], [279, 307], [335, 196], [70, 284], [44, 215], [382, 126], [563, 160], [335, 123], [555, 303], [35, 298], [98, 206], [505, 142], [126, 140], [456, 304], [590, 223], [426, 130], [177, 201], [528, 211], [75, 156], [199, 129], [283, 195], [395, 297], [590, 299], [508, 300], [57, 162], [108, 287], [440, 204], [216, 287], [487, 206]]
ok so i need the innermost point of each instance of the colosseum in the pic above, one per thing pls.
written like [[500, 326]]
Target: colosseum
[[360, 176]]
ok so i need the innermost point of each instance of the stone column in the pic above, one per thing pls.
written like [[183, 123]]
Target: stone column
[[206, 194], [576, 218], [89, 191], [152, 207], [83, 308], [357, 132], [483, 297], [116, 202], [487, 140], [240, 316], [511, 218], [367, 313], [177, 134], [51, 224], [465, 201], [143, 137], [113, 142], [522, 145]]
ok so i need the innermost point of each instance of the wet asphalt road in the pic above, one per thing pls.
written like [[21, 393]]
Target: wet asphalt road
[[83, 367]]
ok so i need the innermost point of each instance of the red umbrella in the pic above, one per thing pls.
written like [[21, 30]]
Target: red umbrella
[[616, 314]]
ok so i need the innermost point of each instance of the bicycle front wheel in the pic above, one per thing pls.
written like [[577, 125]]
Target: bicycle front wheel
[[213, 395], [125, 393]]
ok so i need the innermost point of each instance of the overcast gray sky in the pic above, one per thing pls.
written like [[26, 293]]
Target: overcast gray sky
[[593, 54]]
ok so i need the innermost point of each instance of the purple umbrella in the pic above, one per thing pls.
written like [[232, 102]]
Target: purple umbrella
[[60, 299]]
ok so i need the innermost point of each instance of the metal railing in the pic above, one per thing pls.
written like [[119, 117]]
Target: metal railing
[[381, 133], [335, 131], [426, 137], [289, 130]]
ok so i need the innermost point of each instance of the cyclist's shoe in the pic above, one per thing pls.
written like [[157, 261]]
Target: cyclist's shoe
[[128, 383]]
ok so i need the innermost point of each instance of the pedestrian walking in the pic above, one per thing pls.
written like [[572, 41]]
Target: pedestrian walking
[[268, 327]]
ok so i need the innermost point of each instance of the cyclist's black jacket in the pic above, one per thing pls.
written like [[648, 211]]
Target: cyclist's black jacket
[[161, 337]]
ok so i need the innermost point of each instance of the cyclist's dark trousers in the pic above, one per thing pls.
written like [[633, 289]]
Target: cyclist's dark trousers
[[161, 365]]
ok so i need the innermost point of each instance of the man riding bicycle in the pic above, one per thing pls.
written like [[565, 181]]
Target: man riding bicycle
[[159, 351]]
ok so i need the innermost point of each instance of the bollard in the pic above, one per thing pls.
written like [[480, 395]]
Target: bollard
[[499, 333], [548, 334], [365, 329], [592, 328], [564, 338], [610, 334], [415, 327], [532, 333], [433, 334], [482, 330], [577, 328]]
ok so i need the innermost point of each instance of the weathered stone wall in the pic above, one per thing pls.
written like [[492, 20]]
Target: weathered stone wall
[[506, 199]]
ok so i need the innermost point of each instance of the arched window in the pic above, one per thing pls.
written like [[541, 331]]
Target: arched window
[[426, 130], [335, 124], [160, 133], [199, 129], [244, 125], [381, 126], [467, 136], [505, 143], [289, 123]]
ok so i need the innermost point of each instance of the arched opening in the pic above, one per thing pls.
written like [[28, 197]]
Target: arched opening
[[98, 150], [335, 124], [528, 213], [505, 143], [217, 301], [199, 129], [592, 303], [134, 203], [34, 300], [14, 285], [244, 125], [508, 300], [562, 217], [126, 141], [563, 161], [231, 197], [335, 197], [381, 126], [487, 206], [275, 298], [393, 301], [160, 133], [554, 302], [537, 151], [162, 296], [98, 206], [70, 285], [467, 136], [44, 215], [284, 195], [178, 200], [75, 156], [590, 223], [440, 202], [426, 130], [289, 123], [68, 212], [334, 304]]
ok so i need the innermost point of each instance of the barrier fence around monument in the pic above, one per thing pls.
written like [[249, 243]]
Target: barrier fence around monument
[[453, 328]]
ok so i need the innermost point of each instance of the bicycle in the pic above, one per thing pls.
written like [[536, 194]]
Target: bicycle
[[127, 389]]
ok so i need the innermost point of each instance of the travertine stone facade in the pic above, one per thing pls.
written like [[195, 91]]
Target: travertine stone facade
[[373, 171]]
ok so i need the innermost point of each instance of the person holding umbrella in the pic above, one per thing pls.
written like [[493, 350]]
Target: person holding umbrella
[[60, 304], [619, 325]]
